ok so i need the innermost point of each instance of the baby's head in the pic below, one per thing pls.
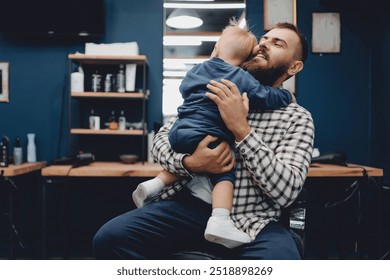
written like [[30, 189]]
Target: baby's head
[[235, 44]]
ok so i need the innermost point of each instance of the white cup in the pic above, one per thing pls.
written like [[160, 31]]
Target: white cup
[[96, 122]]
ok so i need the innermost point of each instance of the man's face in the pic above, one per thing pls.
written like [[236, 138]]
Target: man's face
[[273, 56]]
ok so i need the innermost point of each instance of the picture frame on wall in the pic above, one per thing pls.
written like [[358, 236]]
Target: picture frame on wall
[[326, 33], [276, 11], [4, 82]]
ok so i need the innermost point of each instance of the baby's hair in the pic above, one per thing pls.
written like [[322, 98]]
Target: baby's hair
[[240, 43], [235, 23]]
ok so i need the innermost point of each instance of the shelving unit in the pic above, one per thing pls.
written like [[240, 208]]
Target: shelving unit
[[133, 103]]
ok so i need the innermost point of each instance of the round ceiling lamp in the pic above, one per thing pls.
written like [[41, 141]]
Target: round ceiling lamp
[[184, 19]]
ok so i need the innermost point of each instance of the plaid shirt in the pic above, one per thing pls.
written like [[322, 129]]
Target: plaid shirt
[[271, 165]]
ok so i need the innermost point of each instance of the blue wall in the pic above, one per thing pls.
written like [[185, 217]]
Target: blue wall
[[39, 78], [380, 61], [334, 87], [343, 91]]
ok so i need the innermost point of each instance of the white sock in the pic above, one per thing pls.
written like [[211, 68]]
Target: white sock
[[221, 213], [152, 187]]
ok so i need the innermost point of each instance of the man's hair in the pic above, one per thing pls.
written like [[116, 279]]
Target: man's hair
[[303, 52]]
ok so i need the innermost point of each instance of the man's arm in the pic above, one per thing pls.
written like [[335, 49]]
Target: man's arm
[[232, 106], [203, 160], [163, 153], [280, 172]]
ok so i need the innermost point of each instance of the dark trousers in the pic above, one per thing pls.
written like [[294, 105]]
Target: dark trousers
[[159, 229]]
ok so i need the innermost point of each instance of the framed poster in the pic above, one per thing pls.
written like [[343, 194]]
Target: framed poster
[[4, 82], [276, 11], [326, 34]]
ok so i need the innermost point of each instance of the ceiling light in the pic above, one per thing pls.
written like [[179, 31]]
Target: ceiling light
[[184, 19], [205, 6]]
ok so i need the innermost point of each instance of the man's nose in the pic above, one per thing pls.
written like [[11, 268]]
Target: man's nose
[[263, 44]]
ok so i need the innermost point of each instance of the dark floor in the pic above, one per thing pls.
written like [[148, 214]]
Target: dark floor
[[336, 231]]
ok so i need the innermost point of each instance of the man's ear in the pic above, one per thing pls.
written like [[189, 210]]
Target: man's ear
[[296, 67]]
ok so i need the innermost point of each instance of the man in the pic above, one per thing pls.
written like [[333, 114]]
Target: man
[[273, 155]]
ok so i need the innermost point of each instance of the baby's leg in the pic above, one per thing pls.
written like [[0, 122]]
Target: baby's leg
[[223, 195], [145, 191], [220, 228]]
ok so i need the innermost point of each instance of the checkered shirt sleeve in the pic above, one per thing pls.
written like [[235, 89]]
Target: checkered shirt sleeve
[[169, 159]]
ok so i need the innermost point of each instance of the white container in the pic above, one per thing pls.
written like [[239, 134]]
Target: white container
[[31, 149], [96, 123], [122, 121], [77, 81], [130, 76]]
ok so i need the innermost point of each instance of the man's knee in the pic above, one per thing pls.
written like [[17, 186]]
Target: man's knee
[[274, 242]]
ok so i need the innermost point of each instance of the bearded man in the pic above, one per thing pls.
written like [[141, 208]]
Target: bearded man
[[273, 154]]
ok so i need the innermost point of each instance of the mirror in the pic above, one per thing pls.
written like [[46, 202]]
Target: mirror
[[184, 47]]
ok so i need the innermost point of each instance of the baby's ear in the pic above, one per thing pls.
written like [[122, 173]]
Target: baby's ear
[[215, 50]]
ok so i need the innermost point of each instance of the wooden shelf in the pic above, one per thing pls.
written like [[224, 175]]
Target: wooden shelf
[[108, 59], [130, 95], [86, 131], [88, 100]]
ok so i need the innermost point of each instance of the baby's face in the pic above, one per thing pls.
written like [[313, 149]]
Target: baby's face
[[253, 45]]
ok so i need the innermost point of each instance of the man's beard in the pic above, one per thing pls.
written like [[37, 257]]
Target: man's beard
[[266, 76]]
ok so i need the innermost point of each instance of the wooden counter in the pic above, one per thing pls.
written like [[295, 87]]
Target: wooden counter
[[351, 170], [104, 169], [118, 169], [14, 170]]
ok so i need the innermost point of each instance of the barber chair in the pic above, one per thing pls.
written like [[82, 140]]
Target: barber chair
[[293, 218]]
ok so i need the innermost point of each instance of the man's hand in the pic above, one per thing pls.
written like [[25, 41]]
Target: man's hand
[[232, 106], [206, 160]]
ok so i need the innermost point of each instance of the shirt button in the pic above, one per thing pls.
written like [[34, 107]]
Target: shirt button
[[242, 150]]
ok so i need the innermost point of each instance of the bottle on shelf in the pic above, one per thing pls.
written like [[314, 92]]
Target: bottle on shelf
[[4, 151], [18, 152], [108, 83], [122, 121], [120, 79], [31, 148], [92, 119], [112, 123], [96, 82], [77, 81]]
